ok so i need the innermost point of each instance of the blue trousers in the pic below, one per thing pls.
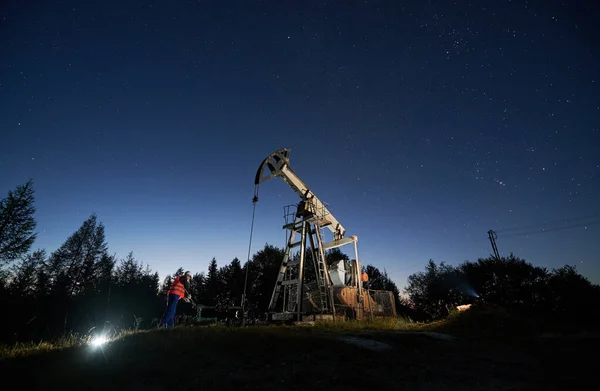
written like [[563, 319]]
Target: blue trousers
[[168, 318]]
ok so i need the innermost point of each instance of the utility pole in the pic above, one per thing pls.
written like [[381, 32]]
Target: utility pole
[[493, 236]]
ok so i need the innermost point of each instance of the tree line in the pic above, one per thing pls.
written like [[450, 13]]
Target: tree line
[[81, 285], [561, 295]]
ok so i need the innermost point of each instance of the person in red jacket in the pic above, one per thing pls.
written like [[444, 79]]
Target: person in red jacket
[[179, 290]]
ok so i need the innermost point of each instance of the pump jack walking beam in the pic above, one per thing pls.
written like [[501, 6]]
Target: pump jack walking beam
[[278, 165]]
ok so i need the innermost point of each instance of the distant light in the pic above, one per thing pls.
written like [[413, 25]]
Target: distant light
[[98, 341], [463, 307]]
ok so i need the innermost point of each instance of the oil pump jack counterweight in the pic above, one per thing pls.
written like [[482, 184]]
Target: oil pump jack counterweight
[[301, 300]]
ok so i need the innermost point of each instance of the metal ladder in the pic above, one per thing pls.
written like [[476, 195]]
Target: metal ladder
[[320, 266]]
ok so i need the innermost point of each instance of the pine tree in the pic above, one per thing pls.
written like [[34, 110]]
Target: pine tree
[[42, 282], [262, 275], [129, 271], [233, 280], [105, 270], [213, 283], [72, 268], [17, 223], [166, 284], [4, 281], [24, 279], [198, 287]]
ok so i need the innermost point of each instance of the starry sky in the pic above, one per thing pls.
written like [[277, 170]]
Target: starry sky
[[422, 124]]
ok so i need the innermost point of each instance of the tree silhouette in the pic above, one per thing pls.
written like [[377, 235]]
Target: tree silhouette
[[214, 285], [72, 267], [233, 283], [25, 274], [382, 281], [79, 285], [262, 274], [166, 284], [562, 295], [17, 223], [334, 255], [198, 287], [436, 290]]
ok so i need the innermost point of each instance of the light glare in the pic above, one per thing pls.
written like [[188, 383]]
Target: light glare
[[98, 341]]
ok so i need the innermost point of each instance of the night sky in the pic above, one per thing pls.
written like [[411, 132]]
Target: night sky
[[422, 125]]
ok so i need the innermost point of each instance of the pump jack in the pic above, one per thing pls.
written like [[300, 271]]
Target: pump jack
[[309, 222]]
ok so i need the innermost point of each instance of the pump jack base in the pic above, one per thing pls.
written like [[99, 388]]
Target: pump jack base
[[293, 318]]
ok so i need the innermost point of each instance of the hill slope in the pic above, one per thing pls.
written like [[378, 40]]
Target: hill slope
[[297, 358]]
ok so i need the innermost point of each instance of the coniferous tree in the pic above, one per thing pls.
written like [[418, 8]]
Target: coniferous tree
[[137, 298], [4, 282], [198, 287], [17, 223], [42, 281], [24, 280], [71, 273], [213, 284], [233, 283], [71, 268], [105, 269], [128, 271], [262, 275]]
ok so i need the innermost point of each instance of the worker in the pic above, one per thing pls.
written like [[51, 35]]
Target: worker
[[179, 290]]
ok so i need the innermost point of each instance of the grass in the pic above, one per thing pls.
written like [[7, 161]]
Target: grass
[[388, 324], [28, 348], [297, 358]]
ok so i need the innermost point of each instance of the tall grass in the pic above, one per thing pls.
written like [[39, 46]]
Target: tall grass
[[383, 324], [27, 348], [375, 324], [69, 341]]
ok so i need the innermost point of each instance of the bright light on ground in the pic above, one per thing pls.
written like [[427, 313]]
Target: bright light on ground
[[98, 341]]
